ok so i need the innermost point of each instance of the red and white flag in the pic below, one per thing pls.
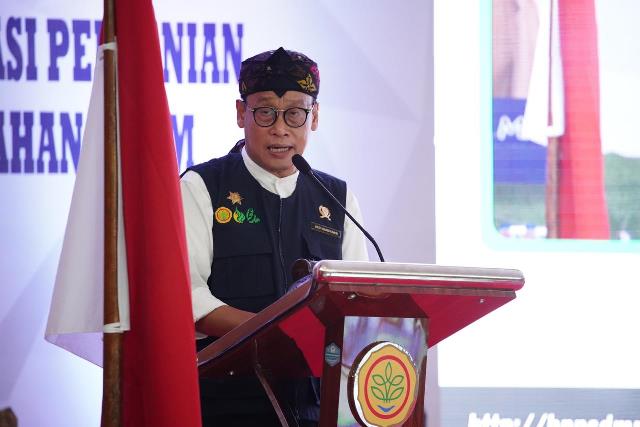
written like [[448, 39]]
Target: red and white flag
[[544, 111], [564, 102], [159, 374], [76, 319]]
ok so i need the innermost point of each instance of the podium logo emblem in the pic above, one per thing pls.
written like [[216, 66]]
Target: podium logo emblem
[[383, 385]]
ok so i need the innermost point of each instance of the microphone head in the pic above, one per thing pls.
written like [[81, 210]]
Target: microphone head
[[301, 164]]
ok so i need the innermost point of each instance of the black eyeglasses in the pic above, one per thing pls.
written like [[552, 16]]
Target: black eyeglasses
[[293, 117]]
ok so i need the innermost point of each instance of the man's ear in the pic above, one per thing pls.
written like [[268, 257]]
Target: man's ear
[[241, 107], [314, 117]]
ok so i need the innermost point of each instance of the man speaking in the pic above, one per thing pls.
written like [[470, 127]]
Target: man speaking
[[250, 214]]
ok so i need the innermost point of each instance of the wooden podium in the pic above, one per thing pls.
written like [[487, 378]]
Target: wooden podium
[[364, 329]]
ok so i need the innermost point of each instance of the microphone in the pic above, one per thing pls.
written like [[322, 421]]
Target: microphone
[[303, 166]]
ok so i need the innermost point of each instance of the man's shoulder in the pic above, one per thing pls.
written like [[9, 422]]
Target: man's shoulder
[[214, 171], [336, 185], [328, 178], [218, 163]]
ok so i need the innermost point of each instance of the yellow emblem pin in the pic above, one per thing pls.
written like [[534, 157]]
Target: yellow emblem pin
[[235, 198], [223, 215], [325, 213]]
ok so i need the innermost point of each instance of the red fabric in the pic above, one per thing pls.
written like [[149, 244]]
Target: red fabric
[[305, 328], [159, 375], [582, 206]]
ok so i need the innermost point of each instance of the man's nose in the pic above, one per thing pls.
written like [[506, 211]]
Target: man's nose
[[280, 127]]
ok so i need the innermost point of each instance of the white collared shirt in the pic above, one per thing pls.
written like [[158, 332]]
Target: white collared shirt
[[198, 215]]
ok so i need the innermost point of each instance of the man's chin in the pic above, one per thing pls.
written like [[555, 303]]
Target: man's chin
[[282, 169]]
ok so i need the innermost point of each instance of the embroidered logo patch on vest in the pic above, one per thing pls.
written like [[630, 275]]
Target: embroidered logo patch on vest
[[248, 216], [235, 198], [325, 213], [326, 230], [223, 214]]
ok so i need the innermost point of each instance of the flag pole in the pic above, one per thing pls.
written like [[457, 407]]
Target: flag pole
[[112, 352], [551, 190]]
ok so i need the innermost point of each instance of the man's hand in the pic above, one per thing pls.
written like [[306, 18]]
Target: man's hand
[[222, 320]]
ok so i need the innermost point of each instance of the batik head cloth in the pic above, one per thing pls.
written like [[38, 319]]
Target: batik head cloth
[[279, 71]]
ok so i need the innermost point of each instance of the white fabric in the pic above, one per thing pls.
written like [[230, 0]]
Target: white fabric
[[198, 213], [109, 46], [76, 318], [544, 111]]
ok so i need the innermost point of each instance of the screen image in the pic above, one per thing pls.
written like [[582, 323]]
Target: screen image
[[565, 156], [555, 197]]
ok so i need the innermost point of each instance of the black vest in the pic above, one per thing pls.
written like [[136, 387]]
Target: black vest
[[257, 235], [256, 238]]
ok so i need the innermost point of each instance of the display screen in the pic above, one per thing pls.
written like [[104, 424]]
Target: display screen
[[566, 158], [546, 180]]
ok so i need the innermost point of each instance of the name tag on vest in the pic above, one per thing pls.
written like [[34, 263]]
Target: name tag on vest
[[326, 230]]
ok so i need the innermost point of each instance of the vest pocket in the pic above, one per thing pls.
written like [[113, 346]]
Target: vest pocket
[[322, 246], [243, 276]]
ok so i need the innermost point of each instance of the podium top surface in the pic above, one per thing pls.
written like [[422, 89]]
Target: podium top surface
[[387, 273]]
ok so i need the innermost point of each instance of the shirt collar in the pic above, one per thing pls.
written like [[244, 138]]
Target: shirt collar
[[283, 187]]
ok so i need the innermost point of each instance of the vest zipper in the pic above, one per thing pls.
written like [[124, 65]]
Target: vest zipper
[[283, 286]]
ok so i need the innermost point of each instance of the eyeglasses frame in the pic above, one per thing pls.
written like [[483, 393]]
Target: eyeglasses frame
[[284, 112]]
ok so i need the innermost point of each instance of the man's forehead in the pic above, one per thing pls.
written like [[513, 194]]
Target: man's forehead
[[289, 96]]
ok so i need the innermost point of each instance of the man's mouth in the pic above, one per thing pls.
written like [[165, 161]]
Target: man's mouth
[[278, 149]]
